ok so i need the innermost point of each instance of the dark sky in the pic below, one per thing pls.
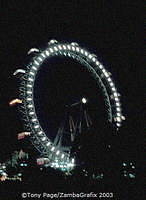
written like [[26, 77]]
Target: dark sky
[[113, 31]]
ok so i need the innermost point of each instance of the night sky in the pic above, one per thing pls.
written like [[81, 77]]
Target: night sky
[[113, 31]]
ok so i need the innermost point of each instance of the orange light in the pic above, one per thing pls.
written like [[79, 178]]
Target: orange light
[[3, 178], [14, 102], [22, 135]]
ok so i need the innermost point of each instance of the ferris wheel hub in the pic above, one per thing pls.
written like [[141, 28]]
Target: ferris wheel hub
[[84, 100]]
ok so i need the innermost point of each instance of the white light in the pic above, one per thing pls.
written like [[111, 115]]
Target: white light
[[52, 41], [32, 73], [118, 124], [19, 71], [74, 43], [77, 49], [47, 52], [34, 120], [84, 100], [97, 62], [43, 55], [40, 59], [109, 79], [73, 48], [123, 118], [62, 156], [37, 126], [93, 59], [29, 99], [103, 70], [58, 152], [116, 99], [51, 50], [48, 143], [53, 148], [56, 49], [90, 56], [111, 84], [64, 47], [69, 165], [101, 66], [52, 164], [31, 113], [29, 92], [43, 138], [40, 132], [36, 62], [113, 89], [30, 79], [69, 47], [60, 47], [115, 94], [117, 104], [4, 174], [33, 67], [119, 114], [30, 86], [73, 160], [82, 51], [57, 165], [85, 53], [32, 50], [118, 109], [118, 119], [106, 74], [69, 54], [30, 106]]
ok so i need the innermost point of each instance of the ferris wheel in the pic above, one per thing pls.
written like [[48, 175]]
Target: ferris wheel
[[52, 151]]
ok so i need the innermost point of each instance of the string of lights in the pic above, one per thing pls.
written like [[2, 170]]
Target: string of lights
[[37, 135]]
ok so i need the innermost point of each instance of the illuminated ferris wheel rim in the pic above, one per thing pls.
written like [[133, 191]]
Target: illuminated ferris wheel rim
[[87, 59]]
